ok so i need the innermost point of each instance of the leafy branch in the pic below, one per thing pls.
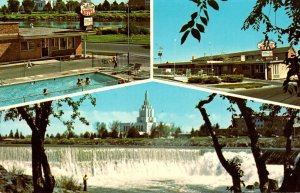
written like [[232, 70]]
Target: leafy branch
[[199, 20]]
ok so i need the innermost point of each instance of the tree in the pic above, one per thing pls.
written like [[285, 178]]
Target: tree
[[28, 6], [114, 6], [256, 19], [231, 166], [4, 10], [11, 134], [37, 117], [13, 5], [72, 5], [291, 180], [47, 7], [133, 132], [101, 130], [122, 6], [17, 135], [177, 132], [105, 6], [115, 127], [60, 6]]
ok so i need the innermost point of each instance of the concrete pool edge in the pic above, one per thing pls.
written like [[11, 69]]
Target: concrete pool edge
[[28, 79]]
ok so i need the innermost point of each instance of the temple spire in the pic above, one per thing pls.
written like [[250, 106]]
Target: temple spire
[[146, 101]]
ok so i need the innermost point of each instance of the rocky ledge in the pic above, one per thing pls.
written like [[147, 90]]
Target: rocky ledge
[[14, 183]]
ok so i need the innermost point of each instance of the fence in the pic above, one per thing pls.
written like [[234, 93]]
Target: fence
[[57, 64]]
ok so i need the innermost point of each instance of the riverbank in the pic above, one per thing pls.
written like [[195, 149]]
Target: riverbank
[[139, 16], [235, 142]]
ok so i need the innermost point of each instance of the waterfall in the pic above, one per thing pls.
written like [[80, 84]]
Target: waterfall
[[127, 166]]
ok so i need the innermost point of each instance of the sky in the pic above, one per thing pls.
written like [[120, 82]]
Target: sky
[[222, 35], [172, 104]]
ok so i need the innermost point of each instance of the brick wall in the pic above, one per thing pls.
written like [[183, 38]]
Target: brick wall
[[7, 28], [78, 45], [34, 53], [9, 50]]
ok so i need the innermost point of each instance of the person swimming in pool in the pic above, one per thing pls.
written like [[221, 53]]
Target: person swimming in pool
[[87, 81], [45, 92], [79, 82]]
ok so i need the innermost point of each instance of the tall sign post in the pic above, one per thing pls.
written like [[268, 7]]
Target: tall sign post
[[266, 46], [87, 10]]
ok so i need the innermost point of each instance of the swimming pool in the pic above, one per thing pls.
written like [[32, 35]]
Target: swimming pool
[[30, 91]]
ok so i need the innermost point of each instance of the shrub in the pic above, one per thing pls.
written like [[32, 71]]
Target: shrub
[[68, 183], [232, 78], [106, 31], [212, 80], [196, 79], [204, 79]]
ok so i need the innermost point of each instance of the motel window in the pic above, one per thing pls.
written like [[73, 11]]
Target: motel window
[[55, 43], [259, 68], [27, 45], [62, 43], [71, 42], [245, 67], [276, 69]]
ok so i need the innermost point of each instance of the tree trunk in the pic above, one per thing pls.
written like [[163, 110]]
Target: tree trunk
[[233, 171], [253, 135], [290, 177], [40, 165]]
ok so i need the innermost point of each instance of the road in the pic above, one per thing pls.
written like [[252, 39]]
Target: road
[[274, 93], [137, 53]]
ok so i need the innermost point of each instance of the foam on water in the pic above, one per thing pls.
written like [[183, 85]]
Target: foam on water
[[139, 167]]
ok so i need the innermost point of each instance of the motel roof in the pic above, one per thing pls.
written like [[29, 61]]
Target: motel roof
[[43, 32], [203, 60], [238, 54]]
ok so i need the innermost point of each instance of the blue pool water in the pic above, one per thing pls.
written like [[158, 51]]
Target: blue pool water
[[30, 91]]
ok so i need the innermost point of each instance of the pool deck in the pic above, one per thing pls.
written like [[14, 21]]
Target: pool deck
[[122, 77]]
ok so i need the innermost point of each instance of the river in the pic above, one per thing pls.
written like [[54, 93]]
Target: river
[[140, 169], [75, 24]]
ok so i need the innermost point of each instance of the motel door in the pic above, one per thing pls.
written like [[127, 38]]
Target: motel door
[[45, 47]]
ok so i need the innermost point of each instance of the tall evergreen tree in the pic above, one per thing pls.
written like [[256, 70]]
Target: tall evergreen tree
[[13, 5], [28, 6]]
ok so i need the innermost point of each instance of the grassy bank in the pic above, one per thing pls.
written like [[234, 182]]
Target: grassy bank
[[241, 85], [103, 16], [120, 38], [198, 141]]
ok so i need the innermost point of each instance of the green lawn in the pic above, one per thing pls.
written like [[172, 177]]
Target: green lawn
[[120, 38], [241, 85]]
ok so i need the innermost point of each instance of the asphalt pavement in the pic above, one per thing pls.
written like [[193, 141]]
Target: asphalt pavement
[[137, 53]]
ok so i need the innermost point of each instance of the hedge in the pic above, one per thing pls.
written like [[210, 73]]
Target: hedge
[[232, 78], [204, 80]]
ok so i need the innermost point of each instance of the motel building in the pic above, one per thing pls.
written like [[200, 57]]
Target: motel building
[[33, 43], [268, 65]]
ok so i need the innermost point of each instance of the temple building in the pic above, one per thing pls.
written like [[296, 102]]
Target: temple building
[[144, 122]]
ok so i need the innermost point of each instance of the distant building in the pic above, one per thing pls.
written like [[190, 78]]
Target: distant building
[[144, 122], [40, 4], [265, 125], [19, 44], [249, 63]]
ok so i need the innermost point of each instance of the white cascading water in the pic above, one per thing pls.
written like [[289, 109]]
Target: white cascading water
[[128, 167]]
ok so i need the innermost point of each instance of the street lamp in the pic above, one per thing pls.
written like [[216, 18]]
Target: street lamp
[[160, 53], [174, 55], [128, 33]]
